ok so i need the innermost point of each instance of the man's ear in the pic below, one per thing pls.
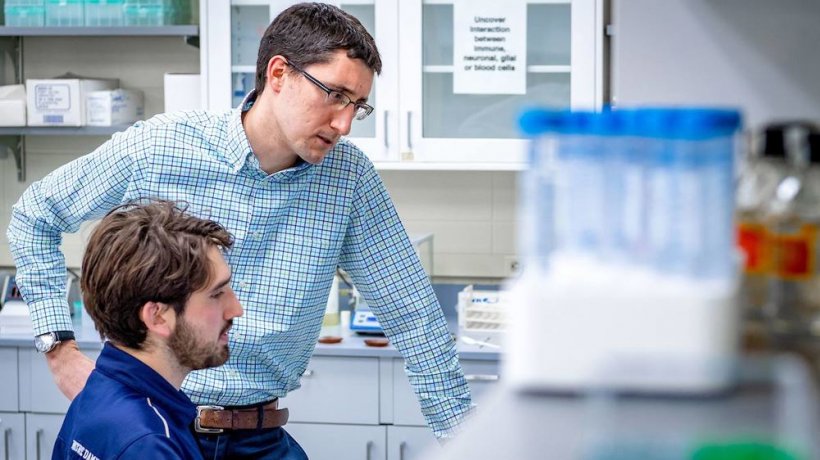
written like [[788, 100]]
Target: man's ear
[[275, 73], [159, 318]]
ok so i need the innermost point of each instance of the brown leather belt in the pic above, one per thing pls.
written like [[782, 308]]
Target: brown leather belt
[[216, 419]]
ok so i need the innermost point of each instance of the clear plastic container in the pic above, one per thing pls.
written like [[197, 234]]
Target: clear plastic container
[[146, 12], [649, 187], [24, 13], [104, 13], [691, 191], [65, 13]]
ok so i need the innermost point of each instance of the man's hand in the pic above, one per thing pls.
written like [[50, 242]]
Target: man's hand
[[69, 367]]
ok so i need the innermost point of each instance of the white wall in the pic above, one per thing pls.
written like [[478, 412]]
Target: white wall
[[472, 214], [760, 55]]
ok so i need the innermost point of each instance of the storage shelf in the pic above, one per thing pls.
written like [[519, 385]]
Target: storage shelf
[[62, 130], [530, 69], [126, 31]]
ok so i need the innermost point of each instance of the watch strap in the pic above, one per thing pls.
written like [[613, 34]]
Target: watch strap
[[62, 336]]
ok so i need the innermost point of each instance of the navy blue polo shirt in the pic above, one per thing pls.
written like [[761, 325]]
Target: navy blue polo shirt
[[127, 410]]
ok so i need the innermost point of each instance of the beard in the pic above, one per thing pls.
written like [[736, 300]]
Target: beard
[[191, 352]]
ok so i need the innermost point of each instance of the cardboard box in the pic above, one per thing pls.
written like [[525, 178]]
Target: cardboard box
[[61, 101], [13, 105], [116, 107], [182, 92]]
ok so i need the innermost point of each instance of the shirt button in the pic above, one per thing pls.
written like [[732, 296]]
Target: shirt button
[[257, 236], [243, 285]]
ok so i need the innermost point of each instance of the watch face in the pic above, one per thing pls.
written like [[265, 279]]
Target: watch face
[[45, 342]]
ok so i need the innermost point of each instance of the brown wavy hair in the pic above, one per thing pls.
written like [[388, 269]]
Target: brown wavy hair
[[143, 252], [309, 33]]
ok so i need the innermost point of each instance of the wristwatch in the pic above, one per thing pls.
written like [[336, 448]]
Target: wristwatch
[[46, 342]]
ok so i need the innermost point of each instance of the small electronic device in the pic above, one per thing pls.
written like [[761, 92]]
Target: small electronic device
[[14, 315], [363, 321]]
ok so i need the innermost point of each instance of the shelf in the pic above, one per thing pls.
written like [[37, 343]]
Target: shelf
[[62, 130], [126, 31], [530, 69]]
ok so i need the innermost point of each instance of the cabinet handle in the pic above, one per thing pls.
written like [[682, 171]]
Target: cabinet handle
[[409, 130], [481, 378], [6, 440], [368, 447], [308, 373], [37, 437], [386, 136], [402, 446]]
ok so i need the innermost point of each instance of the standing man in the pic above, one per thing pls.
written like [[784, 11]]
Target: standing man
[[298, 198], [156, 284]]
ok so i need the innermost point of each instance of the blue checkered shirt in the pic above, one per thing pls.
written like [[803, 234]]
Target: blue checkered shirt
[[291, 228]]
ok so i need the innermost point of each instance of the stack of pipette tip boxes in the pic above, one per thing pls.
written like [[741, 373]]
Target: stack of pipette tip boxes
[[630, 268]]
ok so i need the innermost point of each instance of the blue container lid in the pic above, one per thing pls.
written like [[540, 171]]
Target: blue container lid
[[686, 123]]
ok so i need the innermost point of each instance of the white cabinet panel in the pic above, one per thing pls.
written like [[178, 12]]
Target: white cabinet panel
[[411, 443], [41, 434], [12, 436], [340, 442], [8, 379], [337, 390], [38, 392], [482, 376]]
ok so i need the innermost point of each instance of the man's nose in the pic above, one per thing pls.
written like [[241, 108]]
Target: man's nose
[[235, 308], [343, 119]]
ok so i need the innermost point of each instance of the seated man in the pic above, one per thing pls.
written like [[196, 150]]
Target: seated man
[[157, 286]]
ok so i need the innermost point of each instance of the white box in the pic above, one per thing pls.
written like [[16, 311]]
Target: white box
[[13, 105], [182, 92], [61, 101], [116, 107]]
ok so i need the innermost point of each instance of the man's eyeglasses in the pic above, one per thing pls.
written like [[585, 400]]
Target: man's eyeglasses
[[337, 99]]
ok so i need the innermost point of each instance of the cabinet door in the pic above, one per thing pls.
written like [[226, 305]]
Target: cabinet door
[[38, 392], [8, 380], [481, 376], [563, 39], [411, 443], [340, 442], [337, 390], [41, 434], [13, 430], [233, 31]]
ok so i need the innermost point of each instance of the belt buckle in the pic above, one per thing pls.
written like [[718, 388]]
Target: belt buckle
[[201, 429]]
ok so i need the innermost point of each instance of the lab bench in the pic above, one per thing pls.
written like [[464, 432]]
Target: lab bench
[[355, 401]]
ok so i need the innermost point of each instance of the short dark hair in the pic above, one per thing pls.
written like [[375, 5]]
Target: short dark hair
[[145, 252], [309, 33]]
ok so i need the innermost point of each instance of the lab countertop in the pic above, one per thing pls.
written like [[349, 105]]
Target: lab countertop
[[352, 345]]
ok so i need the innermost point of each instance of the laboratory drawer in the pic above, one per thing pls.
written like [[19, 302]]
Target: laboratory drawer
[[8, 379], [482, 376], [340, 442], [337, 390], [38, 392]]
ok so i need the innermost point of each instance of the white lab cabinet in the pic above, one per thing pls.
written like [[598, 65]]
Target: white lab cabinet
[[340, 442], [337, 390], [482, 376], [411, 443], [418, 121], [38, 391], [8, 380], [41, 434], [13, 439]]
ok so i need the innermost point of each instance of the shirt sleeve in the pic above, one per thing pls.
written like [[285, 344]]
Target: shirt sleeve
[[385, 268], [153, 446], [81, 190]]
